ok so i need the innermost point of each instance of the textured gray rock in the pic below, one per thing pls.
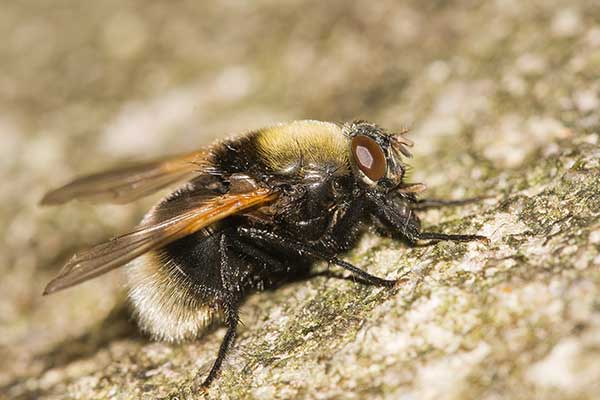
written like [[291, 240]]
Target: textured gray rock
[[502, 99]]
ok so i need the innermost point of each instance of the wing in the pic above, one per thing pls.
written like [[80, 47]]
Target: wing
[[131, 183], [193, 216]]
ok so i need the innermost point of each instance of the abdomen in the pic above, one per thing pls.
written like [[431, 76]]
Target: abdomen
[[176, 291]]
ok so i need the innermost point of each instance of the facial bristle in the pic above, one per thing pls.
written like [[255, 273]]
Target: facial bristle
[[400, 142]]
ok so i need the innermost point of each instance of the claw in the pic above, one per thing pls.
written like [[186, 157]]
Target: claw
[[484, 239]]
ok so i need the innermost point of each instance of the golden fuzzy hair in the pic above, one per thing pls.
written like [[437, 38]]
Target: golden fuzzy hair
[[165, 306], [312, 142]]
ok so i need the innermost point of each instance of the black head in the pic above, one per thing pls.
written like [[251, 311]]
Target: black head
[[376, 155]]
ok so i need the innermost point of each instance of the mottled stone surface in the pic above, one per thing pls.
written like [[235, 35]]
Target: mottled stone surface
[[503, 101]]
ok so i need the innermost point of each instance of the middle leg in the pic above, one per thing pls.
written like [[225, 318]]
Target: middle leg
[[301, 249]]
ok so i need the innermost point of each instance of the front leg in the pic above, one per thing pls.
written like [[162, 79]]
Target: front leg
[[400, 218], [426, 204], [454, 238]]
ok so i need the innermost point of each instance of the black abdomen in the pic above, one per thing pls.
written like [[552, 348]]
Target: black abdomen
[[197, 259]]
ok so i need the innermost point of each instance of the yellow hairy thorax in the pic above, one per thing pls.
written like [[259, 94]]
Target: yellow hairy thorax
[[308, 142]]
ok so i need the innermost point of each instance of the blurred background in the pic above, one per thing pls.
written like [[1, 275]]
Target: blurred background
[[485, 87]]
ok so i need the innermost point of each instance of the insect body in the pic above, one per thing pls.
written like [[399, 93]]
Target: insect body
[[252, 210]]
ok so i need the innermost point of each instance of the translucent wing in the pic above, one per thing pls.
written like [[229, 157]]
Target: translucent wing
[[193, 216], [124, 185]]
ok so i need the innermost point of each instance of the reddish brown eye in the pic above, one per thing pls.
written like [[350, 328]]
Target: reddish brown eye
[[369, 157]]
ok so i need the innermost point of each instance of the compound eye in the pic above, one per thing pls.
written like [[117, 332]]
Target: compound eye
[[369, 157]]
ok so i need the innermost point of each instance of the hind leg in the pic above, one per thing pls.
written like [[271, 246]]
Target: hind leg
[[232, 272]]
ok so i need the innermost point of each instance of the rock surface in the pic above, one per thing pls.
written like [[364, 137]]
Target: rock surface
[[502, 99]]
